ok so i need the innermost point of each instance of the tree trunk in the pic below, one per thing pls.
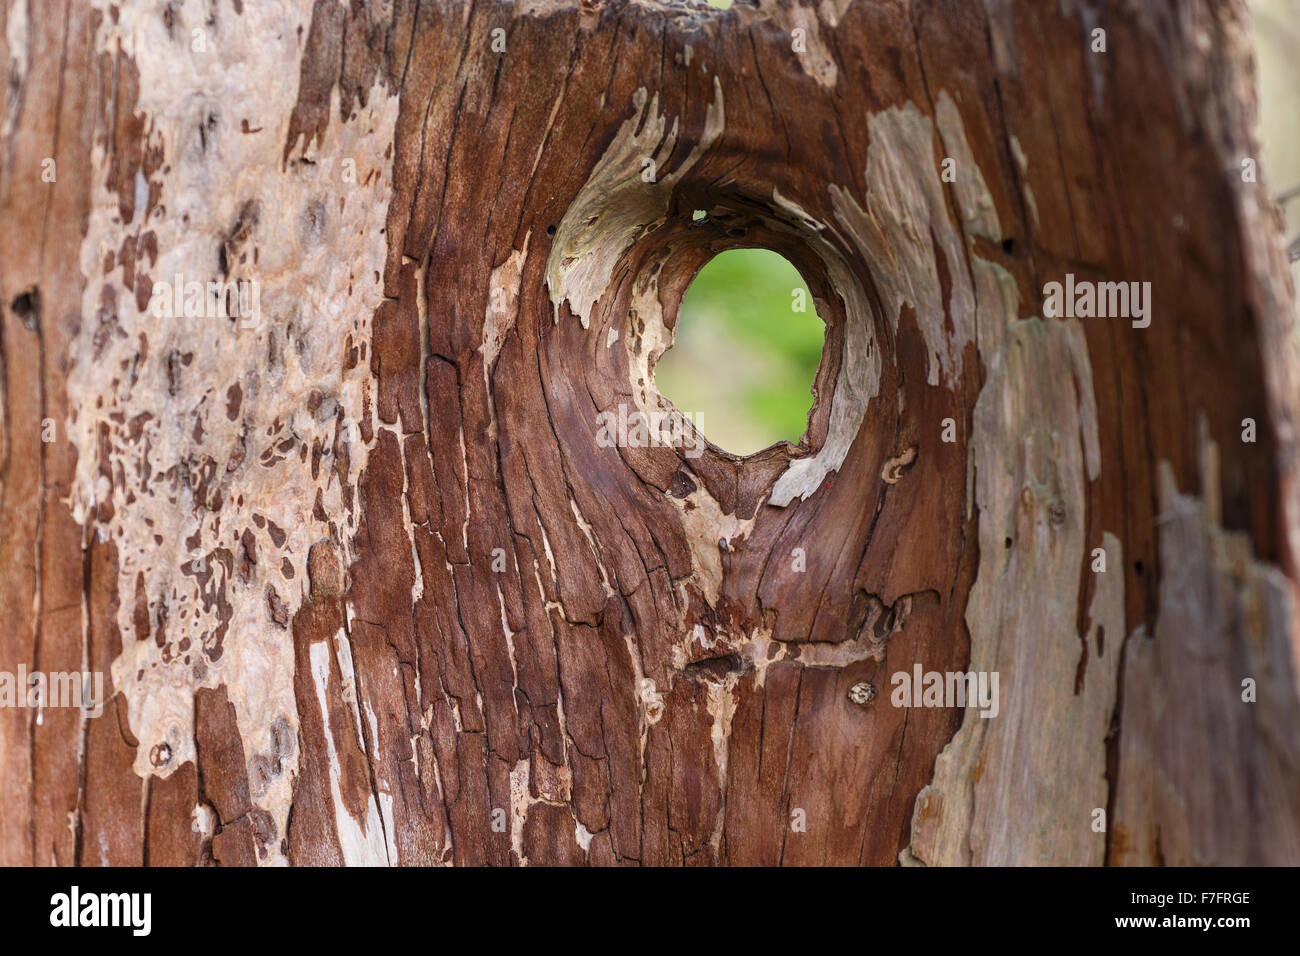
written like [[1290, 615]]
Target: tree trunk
[[364, 576]]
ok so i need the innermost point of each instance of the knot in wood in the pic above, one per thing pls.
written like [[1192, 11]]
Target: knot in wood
[[862, 693]]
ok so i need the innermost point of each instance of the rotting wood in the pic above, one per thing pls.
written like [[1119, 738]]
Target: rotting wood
[[363, 584]]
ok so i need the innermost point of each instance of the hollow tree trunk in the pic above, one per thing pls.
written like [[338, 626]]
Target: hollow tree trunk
[[366, 586]]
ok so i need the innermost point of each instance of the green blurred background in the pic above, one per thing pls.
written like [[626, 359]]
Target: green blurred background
[[743, 358]]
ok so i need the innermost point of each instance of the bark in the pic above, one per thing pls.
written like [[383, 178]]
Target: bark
[[365, 586]]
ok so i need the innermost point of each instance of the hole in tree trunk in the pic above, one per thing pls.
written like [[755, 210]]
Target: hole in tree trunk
[[747, 346]]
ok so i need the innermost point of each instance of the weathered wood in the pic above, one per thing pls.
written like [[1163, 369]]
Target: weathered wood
[[366, 588]]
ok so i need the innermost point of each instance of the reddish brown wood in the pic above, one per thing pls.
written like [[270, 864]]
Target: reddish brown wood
[[433, 696]]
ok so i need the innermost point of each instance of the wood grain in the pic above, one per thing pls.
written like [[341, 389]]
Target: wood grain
[[434, 620]]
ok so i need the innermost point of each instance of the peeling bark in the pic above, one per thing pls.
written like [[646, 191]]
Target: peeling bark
[[366, 588]]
